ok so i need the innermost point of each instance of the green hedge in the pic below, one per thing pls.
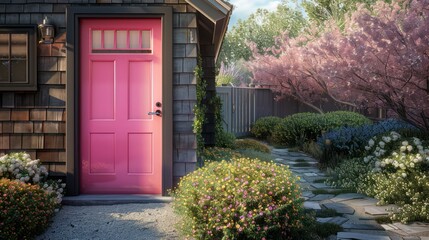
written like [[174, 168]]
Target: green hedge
[[263, 127], [299, 128]]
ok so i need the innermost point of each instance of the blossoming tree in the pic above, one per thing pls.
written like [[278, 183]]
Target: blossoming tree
[[381, 59]]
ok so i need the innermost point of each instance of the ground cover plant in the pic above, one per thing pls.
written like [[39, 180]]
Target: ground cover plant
[[252, 144]]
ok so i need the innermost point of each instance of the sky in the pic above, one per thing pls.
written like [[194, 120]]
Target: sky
[[243, 8]]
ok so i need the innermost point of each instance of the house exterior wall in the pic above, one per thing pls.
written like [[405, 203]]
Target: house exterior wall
[[35, 122]]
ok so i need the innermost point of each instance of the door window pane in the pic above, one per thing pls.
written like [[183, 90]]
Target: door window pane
[[96, 39], [146, 39], [121, 41], [19, 46], [134, 39], [109, 39]]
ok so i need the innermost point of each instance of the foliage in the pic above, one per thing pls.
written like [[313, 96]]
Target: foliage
[[250, 153], [252, 144], [299, 128], [235, 74], [21, 167], [312, 149], [394, 171], [379, 60], [349, 174], [225, 139], [345, 118], [351, 141], [200, 107], [261, 27], [321, 11], [240, 199], [263, 127], [219, 154], [25, 209]]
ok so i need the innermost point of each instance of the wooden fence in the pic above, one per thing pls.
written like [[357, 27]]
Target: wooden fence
[[241, 107]]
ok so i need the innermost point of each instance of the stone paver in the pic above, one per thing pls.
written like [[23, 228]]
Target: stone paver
[[312, 205], [361, 236], [347, 196], [362, 226], [376, 210], [358, 210], [340, 208], [336, 220], [322, 197]]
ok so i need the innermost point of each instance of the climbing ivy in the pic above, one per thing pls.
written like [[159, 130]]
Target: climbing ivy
[[200, 108]]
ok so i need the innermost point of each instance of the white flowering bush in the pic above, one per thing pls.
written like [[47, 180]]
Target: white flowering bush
[[349, 174], [20, 166], [397, 172]]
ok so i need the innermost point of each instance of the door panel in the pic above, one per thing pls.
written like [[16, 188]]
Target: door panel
[[120, 82]]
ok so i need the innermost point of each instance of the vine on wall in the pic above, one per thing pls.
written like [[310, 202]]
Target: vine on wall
[[200, 108]]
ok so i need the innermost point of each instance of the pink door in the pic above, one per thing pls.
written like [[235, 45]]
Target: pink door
[[120, 83]]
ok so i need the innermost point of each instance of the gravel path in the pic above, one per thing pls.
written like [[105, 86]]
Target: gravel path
[[126, 221]]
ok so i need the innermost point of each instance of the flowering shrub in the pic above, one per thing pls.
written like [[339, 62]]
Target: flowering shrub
[[352, 140], [21, 167], [25, 209], [397, 172], [349, 174], [252, 144], [263, 127], [240, 199]]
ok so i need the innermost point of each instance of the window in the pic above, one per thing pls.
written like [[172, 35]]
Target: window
[[18, 58], [121, 41]]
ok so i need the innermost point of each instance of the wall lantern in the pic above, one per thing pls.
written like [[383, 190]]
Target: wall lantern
[[47, 32]]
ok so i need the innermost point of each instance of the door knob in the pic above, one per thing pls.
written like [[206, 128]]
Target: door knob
[[157, 113]]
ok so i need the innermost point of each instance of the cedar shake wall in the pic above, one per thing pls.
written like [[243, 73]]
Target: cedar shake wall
[[35, 121]]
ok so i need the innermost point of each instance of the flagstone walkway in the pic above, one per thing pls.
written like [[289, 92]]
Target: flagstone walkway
[[358, 212]]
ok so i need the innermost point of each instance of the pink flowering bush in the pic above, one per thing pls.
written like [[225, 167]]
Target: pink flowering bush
[[25, 209], [239, 199]]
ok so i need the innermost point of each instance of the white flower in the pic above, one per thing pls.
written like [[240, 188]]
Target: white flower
[[412, 165], [404, 143], [382, 164], [377, 164], [367, 148], [36, 178], [409, 148], [26, 179], [371, 142], [63, 185], [402, 166], [403, 148], [382, 144], [21, 179], [404, 175]]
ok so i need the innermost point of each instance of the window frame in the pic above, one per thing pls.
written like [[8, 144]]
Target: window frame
[[31, 84]]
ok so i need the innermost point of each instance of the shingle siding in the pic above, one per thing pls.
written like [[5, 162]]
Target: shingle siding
[[35, 121]]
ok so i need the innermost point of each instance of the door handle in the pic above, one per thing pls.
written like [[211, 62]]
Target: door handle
[[157, 113]]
